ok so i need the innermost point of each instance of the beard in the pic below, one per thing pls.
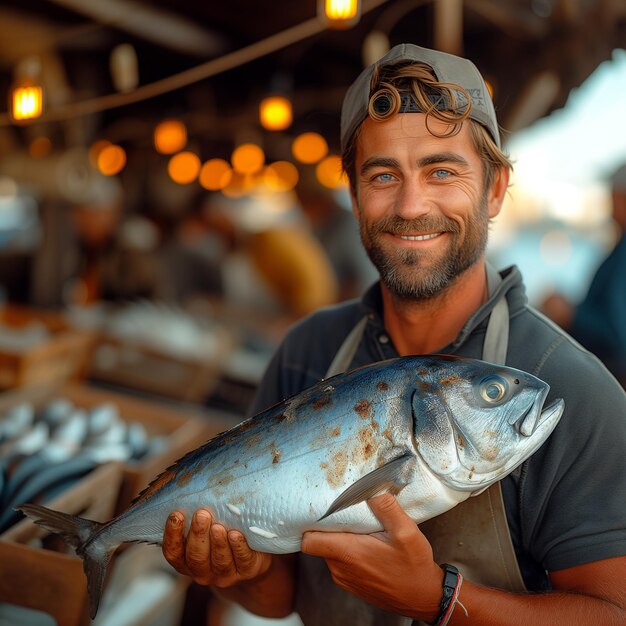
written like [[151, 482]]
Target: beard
[[422, 275]]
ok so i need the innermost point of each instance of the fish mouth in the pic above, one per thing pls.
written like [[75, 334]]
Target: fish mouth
[[528, 424]]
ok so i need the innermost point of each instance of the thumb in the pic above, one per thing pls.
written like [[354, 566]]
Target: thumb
[[389, 513]]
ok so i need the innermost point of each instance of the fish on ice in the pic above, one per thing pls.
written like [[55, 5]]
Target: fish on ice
[[434, 430]]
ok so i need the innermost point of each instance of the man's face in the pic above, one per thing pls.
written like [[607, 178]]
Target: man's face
[[421, 204]]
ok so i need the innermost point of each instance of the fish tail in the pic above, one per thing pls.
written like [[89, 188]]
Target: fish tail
[[81, 534]]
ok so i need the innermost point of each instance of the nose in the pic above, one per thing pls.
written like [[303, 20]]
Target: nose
[[413, 200]]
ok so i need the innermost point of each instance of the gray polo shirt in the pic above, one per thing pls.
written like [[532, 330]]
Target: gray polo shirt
[[567, 505]]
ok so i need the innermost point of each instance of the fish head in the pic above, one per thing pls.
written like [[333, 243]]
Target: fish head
[[475, 422]]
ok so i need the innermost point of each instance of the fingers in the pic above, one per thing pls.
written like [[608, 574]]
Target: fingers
[[248, 562], [198, 545], [221, 557], [390, 514], [210, 554], [173, 546], [328, 545], [397, 525]]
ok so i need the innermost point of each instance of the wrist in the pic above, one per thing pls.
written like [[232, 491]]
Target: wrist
[[430, 613], [451, 586]]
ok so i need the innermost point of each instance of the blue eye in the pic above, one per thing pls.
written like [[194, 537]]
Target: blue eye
[[441, 174], [493, 389], [385, 178]]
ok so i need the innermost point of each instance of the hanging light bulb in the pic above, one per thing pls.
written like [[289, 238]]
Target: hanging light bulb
[[111, 160], [330, 174], [26, 94], [124, 67], [184, 167], [248, 158], [26, 100], [375, 46], [170, 136], [339, 13], [275, 113], [309, 147], [215, 174]]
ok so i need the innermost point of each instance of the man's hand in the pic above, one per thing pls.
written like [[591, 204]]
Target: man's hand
[[393, 569], [210, 554]]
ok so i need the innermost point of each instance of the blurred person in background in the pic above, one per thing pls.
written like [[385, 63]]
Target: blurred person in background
[[192, 252], [599, 321], [266, 259], [338, 232], [115, 258]]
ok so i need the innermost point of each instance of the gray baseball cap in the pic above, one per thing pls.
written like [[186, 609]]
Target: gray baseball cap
[[447, 68]]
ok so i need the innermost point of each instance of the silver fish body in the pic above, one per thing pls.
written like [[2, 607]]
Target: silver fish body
[[432, 429]]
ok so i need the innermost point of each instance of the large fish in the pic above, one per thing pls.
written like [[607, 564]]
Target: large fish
[[434, 430]]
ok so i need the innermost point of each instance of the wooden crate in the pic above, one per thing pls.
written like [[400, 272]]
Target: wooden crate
[[62, 356], [48, 580], [54, 581], [185, 426], [143, 590], [149, 370]]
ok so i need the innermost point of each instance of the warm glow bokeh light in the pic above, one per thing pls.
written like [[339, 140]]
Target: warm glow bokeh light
[[247, 158], [238, 185], [184, 167], [339, 13], [111, 160], [96, 148], [26, 102], [215, 174], [341, 9], [330, 174], [309, 148], [40, 147], [281, 176], [275, 113], [170, 136]]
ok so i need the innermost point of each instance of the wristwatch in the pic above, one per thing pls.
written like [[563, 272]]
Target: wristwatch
[[450, 581]]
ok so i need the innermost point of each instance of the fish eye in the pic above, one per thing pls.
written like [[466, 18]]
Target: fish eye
[[493, 389]]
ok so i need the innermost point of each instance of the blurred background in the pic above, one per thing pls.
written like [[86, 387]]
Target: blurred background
[[171, 197]]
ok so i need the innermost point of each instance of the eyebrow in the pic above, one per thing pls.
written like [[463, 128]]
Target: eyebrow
[[431, 159], [374, 162], [441, 157]]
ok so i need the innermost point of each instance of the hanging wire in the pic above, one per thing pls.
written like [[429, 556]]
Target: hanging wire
[[213, 67]]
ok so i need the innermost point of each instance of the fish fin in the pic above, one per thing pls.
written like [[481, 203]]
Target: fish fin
[[391, 477], [81, 534]]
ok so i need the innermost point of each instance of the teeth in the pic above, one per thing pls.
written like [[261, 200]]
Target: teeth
[[419, 237]]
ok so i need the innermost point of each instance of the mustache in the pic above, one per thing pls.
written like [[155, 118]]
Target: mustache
[[427, 223]]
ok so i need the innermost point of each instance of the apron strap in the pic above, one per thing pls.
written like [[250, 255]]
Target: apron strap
[[474, 535], [348, 349], [496, 340]]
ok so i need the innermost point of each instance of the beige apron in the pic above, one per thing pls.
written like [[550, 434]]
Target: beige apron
[[474, 535]]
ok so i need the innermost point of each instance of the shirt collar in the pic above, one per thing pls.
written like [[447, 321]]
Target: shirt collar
[[511, 287]]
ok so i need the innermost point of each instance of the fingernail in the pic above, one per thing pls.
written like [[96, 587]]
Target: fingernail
[[174, 520], [201, 520]]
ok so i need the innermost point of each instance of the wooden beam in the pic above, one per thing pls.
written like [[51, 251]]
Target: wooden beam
[[449, 26]]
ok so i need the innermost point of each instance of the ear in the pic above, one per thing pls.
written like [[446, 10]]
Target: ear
[[355, 205], [497, 191]]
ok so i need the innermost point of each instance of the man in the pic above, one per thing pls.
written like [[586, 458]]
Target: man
[[598, 322], [421, 147]]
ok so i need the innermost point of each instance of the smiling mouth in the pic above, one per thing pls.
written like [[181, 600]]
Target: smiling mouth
[[418, 237]]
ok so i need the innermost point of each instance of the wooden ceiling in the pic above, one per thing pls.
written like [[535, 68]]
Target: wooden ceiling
[[532, 51]]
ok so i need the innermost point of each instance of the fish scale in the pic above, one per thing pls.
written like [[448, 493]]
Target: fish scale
[[434, 430]]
